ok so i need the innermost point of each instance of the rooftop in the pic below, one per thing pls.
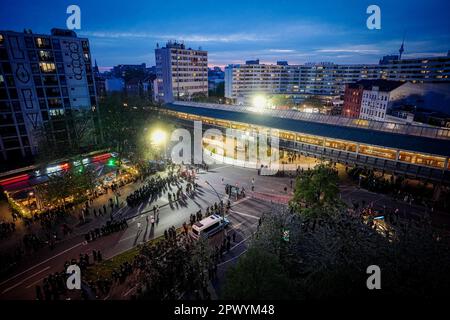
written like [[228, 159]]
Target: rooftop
[[432, 140]]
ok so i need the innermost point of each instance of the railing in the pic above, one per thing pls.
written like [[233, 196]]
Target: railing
[[393, 127]]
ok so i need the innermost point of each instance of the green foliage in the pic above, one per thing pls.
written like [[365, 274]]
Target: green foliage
[[282, 100], [219, 91], [77, 133], [62, 185], [257, 276], [327, 257], [316, 192], [313, 102]]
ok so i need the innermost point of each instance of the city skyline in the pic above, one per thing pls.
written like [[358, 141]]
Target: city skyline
[[298, 32]]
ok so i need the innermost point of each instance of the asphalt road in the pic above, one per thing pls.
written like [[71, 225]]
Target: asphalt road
[[243, 216]]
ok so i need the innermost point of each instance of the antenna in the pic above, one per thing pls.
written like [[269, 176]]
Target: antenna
[[402, 49]]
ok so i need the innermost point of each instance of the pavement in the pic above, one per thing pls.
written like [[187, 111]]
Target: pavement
[[244, 217]]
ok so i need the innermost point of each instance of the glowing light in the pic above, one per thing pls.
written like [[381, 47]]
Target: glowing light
[[15, 179], [259, 103], [158, 137]]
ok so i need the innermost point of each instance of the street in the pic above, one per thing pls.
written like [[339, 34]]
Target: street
[[244, 216]]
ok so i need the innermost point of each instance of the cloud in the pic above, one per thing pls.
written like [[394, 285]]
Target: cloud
[[361, 49], [232, 37], [281, 50]]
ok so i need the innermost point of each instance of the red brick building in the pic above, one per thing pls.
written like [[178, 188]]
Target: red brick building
[[352, 100]]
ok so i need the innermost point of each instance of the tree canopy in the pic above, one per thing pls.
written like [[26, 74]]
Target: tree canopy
[[316, 192]]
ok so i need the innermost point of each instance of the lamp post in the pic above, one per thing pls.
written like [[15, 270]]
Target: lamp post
[[218, 196], [158, 138]]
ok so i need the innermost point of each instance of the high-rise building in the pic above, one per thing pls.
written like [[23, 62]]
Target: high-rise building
[[181, 72], [42, 78], [244, 80]]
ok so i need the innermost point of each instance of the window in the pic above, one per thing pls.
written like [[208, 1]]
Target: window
[[47, 67], [3, 54], [58, 57], [32, 55], [37, 81], [62, 80], [56, 44], [13, 94], [45, 55], [29, 42], [42, 42], [35, 68], [6, 67]]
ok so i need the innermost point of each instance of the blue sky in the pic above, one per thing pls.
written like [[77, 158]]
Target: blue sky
[[234, 31]]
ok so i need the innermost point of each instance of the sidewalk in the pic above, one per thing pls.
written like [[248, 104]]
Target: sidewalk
[[71, 219]]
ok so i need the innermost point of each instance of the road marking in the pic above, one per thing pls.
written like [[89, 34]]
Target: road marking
[[229, 260], [36, 282], [31, 268], [127, 238], [245, 214], [219, 168], [19, 283], [240, 201], [128, 292]]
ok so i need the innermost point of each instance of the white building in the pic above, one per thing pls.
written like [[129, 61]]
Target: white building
[[376, 98], [181, 72], [244, 80]]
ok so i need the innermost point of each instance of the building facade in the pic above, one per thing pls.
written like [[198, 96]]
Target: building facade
[[376, 98], [42, 78], [244, 80], [352, 100], [181, 72]]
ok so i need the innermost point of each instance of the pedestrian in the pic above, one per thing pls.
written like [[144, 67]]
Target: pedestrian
[[39, 293]]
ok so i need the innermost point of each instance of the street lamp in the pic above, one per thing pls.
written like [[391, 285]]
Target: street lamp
[[158, 138], [218, 196], [259, 103]]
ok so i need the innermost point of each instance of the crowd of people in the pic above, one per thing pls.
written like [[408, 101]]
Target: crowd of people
[[54, 286], [108, 228], [151, 190], [6, 229]]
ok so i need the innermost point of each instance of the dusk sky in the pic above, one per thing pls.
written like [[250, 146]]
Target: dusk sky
[[126, 32]]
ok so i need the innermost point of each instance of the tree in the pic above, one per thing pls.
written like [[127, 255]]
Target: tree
[[316, 192], [257, 276], [327, 257], [67, 135], [73, 182], [282, 100]]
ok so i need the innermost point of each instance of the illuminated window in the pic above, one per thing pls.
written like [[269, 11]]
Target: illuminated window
[[47, 67], [45, 55], [42, 42]]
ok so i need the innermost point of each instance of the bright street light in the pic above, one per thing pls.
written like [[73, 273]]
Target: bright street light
[[158, 137], [259, 103]]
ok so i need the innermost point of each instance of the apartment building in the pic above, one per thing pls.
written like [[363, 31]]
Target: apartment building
[[181, 73], [42, 78], [244, 80]]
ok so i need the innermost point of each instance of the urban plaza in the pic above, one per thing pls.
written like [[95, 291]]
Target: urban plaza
[[224, 160]]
